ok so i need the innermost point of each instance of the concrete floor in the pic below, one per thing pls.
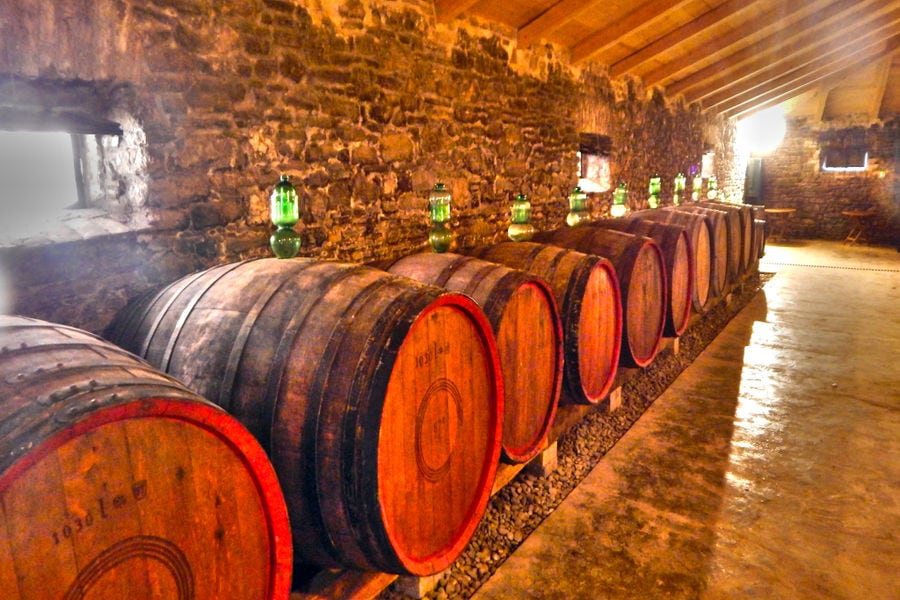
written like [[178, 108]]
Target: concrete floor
[[769, 469]]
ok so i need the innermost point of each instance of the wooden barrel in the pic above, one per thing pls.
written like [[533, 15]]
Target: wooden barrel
[[702, 249], [731, 224], [587, 291], [759, 239], [759, 229], [116, 481], [675, 244], [740, 219], [715, 221], [525, 319], [379, 399], [641, 270]]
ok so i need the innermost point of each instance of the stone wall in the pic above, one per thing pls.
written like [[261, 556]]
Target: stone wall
[[792, 178], [366, 104]]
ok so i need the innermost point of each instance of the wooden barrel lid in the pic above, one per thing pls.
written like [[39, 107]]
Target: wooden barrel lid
[[675, 244], [640, 268], [525, 319], [587, 290], [719, 252], [145, 489], [435, 443], [699, 233], [741, 217]]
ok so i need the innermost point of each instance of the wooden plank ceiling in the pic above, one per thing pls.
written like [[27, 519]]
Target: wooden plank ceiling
[[829, 60]]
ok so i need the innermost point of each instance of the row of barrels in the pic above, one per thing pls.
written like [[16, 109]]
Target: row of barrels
[[305, 412]]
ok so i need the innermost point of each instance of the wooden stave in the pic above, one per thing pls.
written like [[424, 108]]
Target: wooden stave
[[640, 344], [85, 385], [569, 273], [493, 286], [327, 532]]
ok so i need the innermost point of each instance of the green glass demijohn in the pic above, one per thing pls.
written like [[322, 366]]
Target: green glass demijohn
[[620, 201], [578, 213], [284, 210], [655, 188], [440, 237], [678, 187], [712, 188], [520, 228]]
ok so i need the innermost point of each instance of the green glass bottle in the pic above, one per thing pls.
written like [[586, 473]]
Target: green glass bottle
[[620, 201], [678, 187], [578, 213], [712, 188], [655, 186], [284, 210], [520, 228], [439, 203], [440, 237]]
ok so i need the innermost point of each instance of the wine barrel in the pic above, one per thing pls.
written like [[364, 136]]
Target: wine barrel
[[731, 224], [715, 221], [759, 230], [525, 319], [587, 291], [675, 244], [740, 218], [116, 478], [641, 270], [702, 248], [759, 239], [378, 398]]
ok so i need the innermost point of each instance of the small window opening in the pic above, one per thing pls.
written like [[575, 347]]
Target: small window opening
[[38, 172], [594, 174], [843, 151], [42, 175], [72, 161], [845, 160]]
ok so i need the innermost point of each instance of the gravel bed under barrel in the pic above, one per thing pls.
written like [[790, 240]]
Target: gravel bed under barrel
[[517, 510]]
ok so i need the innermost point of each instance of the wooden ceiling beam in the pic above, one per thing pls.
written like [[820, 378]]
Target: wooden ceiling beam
[[825, 78], [814, 48], [602, 39], [880, 86], [678, 36], [861, 36], [708, 78], [447, 10], [552, 19], [722, 43], [799, 80]]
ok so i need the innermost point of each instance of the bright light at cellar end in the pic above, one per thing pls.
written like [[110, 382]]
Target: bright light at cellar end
[[762, 132]]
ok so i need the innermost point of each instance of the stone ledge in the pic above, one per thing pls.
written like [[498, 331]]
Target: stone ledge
[[69, 225]]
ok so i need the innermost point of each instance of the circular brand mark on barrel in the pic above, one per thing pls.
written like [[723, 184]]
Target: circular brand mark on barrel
[[141, 546], [438, 428]]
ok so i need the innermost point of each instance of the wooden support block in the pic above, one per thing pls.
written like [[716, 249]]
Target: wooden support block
[[544, 463], [505, 474], [675, 346], [336, 583], [418, 587], [615, 399]]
